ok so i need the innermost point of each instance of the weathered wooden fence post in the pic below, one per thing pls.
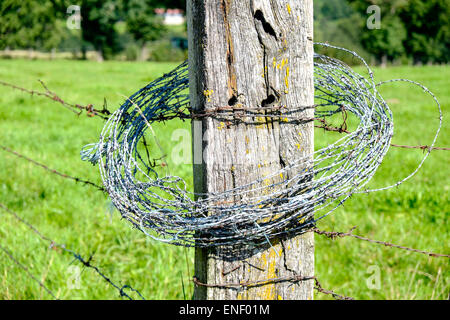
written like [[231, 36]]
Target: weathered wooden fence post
[[246, 54]]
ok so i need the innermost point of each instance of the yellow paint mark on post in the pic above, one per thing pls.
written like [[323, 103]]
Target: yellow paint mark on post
[[286, 78], [269, 263], [260, 121], [221, 126], [208, 94]]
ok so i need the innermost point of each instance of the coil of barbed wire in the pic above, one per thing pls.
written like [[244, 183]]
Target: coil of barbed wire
[[164, 208]]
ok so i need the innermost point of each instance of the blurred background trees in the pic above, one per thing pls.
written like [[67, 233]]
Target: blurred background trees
[[31, 24], [411, 31]]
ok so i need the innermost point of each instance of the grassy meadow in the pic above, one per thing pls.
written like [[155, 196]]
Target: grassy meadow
[[414, 214]]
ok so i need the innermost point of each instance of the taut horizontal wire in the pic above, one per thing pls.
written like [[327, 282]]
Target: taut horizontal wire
[[63, 175], [87, 263], [335, 234], [74, 107]]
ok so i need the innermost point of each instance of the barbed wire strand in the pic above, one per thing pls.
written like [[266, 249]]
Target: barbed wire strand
[[63, 175], [74, 107], [334, 235], [259, 283], [182, 115], [11, 257], [87, 263]]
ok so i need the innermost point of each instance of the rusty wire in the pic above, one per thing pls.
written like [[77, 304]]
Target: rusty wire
[[74, 107], [260, 283], [336, 234], [53, 245]]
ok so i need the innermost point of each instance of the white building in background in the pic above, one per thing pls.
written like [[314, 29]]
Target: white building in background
[[171, 16]]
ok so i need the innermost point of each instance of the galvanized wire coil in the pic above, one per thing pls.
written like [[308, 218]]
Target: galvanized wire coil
[[163, 207]]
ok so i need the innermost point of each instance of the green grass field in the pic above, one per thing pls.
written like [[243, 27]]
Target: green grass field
[[414, 214]]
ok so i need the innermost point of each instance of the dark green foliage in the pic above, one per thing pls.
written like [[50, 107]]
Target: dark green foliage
[[331, 10], [165, 51], [97, 25], [142, 22], [428, 30], [41, 25], [30, 24], [334, 22], [417, 29], [411, 30], [386, 42]]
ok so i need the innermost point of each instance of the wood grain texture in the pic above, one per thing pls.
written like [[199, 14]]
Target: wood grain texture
[[250, 54]]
